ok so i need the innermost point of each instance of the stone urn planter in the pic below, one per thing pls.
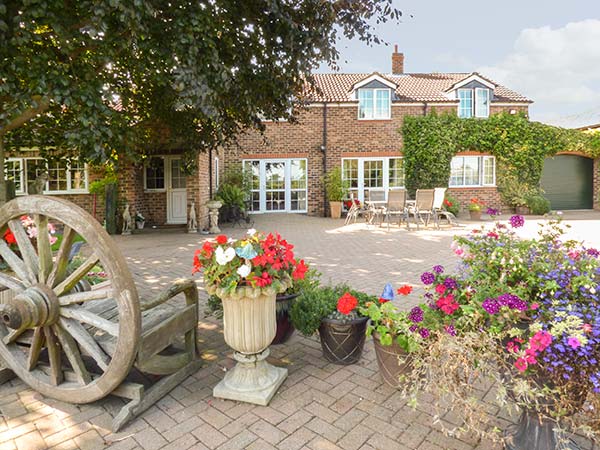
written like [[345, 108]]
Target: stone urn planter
[[335, 209], [213, 215], [249, 327], [392, 361], [343, 341], [285, 328]]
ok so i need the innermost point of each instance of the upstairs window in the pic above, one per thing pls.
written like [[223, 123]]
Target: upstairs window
[[374, 104], [474, 103]]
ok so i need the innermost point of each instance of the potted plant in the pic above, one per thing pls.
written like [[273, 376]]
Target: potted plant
[[529, 321], [335, 313], [336, 188], [396, 334], [451, 204], [247, 274], [140, 220], [475, 207], [233, 201]]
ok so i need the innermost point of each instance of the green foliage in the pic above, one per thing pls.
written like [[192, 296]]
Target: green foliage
[[451, 204], [335, 187], [184, 75], [520, 148], [391, 324], [538, 204], [232, 195], [98, 186], [316, 304], [311, 281]]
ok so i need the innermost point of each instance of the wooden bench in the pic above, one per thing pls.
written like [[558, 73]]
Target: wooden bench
[[78, 342]]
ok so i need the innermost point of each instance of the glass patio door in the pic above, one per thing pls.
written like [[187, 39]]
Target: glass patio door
[[275, 181]]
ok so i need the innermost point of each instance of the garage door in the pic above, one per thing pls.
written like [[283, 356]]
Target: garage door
[[568, 182]]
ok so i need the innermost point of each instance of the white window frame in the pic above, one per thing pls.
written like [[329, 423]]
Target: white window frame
[[458, 92], [288, 185], [164, 189], [481, 183], [374, 116], [386, 174], [22, 176], [478, 107], [25, 181]]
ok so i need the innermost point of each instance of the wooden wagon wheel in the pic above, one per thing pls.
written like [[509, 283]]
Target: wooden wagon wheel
[[62, 357]]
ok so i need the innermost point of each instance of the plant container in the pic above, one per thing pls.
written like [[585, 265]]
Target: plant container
[[343, 341], [335, 208], [285, 328], [392, 360], [475, 215]]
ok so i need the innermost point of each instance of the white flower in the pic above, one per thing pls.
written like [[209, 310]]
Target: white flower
[[224, 256], [244, 270], [251, 232]]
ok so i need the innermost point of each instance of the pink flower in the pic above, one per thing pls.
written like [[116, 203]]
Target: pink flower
[[540, 341], [574, 342], [587, 328], [534, 306], [440, 289], [521, 364]]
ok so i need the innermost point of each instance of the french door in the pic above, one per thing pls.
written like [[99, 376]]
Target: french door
[[176, 190], [278, 185], [372, 177]]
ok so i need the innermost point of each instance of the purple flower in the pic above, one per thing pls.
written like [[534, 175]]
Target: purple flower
[[450, 330], [493, 212], [450, 283], [413, 328], [593, 252], [424, 332], [438, 269], [491, 306], [416, 315], [427, 278], [512, 301], [517, 221]]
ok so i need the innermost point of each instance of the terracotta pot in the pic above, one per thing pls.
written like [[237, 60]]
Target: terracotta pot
[[392, 361], [249, 326], [285, 328], [475, 215], [335, 208], [343, 342], [522, 210]]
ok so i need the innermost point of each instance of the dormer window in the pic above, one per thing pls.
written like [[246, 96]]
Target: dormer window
[[374, 104], [474, 103]]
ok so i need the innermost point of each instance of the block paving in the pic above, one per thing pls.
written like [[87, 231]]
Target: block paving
[[321, 406]]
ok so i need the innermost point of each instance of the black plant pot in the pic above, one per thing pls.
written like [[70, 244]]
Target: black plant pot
[[343, 342], [285, 328], [534, 432]]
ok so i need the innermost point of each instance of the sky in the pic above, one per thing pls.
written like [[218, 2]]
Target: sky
[[547, 50]]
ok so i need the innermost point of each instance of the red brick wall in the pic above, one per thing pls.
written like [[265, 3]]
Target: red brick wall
[[488, 195], [346, 137]]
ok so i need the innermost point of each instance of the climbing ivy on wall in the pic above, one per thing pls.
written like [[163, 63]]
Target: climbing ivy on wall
[[520, 147]]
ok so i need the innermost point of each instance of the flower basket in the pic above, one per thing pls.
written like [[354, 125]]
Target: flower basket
[[393, 361], [343, 341]]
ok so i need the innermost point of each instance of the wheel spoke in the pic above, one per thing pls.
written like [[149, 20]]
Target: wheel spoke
[[90, 318], [67, 284], [11, 282], [56, 373], [85, 341], [28, 253], [86, 296], [36, 347], [43, 247], [59, 271], [14, 262], [13, 336], [73, 355]]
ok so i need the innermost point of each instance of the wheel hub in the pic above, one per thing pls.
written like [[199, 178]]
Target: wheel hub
[[36, 306]]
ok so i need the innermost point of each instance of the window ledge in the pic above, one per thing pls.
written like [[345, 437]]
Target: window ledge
[[155, 190], [477, 186], [388, 119]]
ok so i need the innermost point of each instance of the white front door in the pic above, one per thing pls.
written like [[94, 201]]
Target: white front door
[[176, 191]]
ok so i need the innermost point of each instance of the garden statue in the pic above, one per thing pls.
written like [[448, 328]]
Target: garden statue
[[37, 186], [213, 216], [193, 221], [127, 221]]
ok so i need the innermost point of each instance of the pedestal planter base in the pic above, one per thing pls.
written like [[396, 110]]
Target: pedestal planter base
[[252, 380], [535, 433]]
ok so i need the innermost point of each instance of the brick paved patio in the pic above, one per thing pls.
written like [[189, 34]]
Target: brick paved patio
[[320, 405]]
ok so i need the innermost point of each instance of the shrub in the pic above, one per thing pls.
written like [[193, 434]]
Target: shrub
[[538, 204], [334, 185], [451, 204]]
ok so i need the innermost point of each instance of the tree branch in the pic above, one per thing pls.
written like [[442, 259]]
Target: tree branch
[[42, 105]]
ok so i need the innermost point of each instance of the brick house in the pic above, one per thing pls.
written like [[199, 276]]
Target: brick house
[[353, 121]]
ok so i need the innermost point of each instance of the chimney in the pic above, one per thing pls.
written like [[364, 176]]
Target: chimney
[[397, 61]]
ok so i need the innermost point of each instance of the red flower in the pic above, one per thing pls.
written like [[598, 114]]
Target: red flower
[[207, 250], [299, 270], [447, 202], [9, 237], [383, 300], [405, 290], [197, 263], [264, 280], [347, 303], [221, 239], [447, 304]]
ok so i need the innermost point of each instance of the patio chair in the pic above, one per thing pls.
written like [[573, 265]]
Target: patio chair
[[354, 211], [439, 195], [375, 204], [396, 205], [423, 206]]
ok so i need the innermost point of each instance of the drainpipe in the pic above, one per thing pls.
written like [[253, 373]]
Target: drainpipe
[[425, 108], [324, 150], [210, 174]]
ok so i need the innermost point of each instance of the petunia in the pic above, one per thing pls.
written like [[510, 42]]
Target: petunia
[[224, 256], [574, 342], [521, 364], [244, 270]]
